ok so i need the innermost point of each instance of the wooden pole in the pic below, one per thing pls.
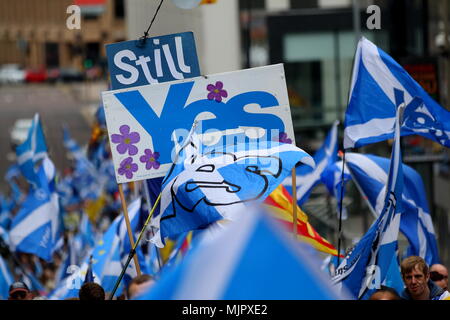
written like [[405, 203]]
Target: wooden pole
[[294, 203], [127, 222]]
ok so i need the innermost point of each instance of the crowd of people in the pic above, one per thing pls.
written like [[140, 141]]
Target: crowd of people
[[421, 283]]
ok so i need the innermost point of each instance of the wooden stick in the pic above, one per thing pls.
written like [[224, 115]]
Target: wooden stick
[[127, 222], [294, 202]]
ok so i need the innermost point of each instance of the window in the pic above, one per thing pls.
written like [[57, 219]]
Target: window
[[119, 9]]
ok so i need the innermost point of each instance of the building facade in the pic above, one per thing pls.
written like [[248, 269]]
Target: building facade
[[35, 34]]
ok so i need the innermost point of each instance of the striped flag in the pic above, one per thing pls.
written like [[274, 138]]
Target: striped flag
[[367, 265], [379, 85], [36, 227], [280, 204]]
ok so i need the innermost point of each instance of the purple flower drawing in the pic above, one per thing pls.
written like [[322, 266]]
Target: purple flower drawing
[[216, 92], [127, 167], [284, 138], [150, 159], [126, 140]]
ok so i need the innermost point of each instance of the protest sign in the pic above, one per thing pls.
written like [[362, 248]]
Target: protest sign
[[145, 123], [152, 60]]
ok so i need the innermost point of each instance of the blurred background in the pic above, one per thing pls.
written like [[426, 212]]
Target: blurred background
[[60, 73]]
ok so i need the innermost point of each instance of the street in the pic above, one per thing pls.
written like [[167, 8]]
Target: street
[[72, 104]]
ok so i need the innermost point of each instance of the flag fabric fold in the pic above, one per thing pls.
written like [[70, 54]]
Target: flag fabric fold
[[370, 172], [308, 177], [204, 187], [279, 203], [36, 227], [366, 266], [379, 84], [236, 263]]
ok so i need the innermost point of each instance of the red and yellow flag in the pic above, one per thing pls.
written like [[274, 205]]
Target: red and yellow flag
[[280, 205]]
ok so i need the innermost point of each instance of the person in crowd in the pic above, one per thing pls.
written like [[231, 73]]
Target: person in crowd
[[138, 285], [439, 275], [385, 293], [416, 276], [19, 291], [91, 291]]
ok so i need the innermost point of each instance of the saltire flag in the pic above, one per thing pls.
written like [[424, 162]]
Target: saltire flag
[[5, 212], [307, 177], [36, 227], [370, 172], [136, 216], [33, 149], [332, 178], [68, 258], [106, 266], [370, 115], [366, 266], [85, 176], [279, 202], [204, 187], [12, 173], [236, 263], [6, 279]]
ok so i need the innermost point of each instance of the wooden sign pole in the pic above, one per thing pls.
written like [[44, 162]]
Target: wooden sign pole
[[127, 222]]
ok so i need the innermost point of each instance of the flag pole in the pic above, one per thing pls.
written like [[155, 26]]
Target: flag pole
[[294, 203], [127, 222], [133, 250], [340, 210], [147, 198]]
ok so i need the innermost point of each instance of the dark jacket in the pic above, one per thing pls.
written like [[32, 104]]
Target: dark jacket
[[435, 292]]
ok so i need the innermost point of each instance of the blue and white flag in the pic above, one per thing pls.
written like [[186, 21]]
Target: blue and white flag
[[370, 115], [6, 279], [366, 266], [33, 149], [5, 212], [106, 266], [307, 177], [209, 185], [85, 176], [135, 214], [35, 228], [236, 263], [332, 178], [370, 173]]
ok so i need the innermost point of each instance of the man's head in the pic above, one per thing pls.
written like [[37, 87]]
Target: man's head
[[138, 285], [439, 274], [19, 291], [385, 293], [91, 291], [415, 276]]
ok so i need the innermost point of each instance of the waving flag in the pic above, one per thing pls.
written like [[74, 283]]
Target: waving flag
[[236, 264], [332, 178], [35, 228], [6, 279], [280, 203], [202, 188], [370, 115], [106, 266], [371, 173], [307, 177], [136, 217], [85, 176], [33, 149], [366, 267]]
